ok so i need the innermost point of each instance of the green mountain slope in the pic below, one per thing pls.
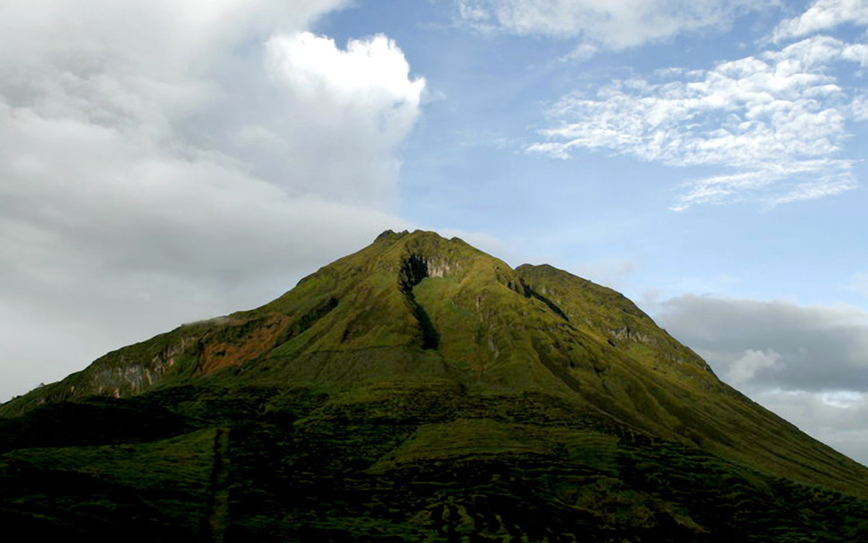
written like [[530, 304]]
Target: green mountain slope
[[421, 390]]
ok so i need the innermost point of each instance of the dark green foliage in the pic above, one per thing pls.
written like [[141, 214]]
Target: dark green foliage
[[423, 465], [96, 421], [418, 390]]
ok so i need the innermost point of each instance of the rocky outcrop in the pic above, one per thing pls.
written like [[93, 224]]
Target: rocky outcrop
[[240, 341], [119, 374]]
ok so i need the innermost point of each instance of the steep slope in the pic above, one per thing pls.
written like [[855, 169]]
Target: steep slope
[[680, 390], [421, 389]]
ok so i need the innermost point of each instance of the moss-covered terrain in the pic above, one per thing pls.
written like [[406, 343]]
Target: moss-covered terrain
[[418, 390]]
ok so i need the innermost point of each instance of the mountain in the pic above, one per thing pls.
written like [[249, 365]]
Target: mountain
[[418, 390]]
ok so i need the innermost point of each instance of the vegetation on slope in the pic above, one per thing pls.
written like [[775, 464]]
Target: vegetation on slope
[[420, 390]]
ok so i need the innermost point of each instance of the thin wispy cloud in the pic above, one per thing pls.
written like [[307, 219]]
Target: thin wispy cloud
[[859, 283], [822, 15], [601, 25], [774, 124]]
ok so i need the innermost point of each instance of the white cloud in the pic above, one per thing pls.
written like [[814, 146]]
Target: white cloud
[[165, 161], [842, 399], [859, 108], [361, 103], [746, 367], [373, 71], [774, 124], [823, 15], [583, 51], [611, 25]]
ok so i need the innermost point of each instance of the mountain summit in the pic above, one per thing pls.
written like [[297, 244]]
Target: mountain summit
[[419, 390]]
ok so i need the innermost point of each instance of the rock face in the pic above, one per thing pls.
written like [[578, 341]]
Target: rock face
[[419, 390]]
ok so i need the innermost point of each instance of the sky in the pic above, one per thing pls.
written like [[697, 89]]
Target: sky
[[163, 162]]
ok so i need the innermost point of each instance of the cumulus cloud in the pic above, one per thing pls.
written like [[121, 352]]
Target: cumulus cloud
[[746, 367], [766, 345], [165, 161], [610, 25], [774, 124], [822, 15], [363, 103]]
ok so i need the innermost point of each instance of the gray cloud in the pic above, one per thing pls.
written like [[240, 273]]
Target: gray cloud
[[745, 368], [768, 345], [835, 418], [808, 364]]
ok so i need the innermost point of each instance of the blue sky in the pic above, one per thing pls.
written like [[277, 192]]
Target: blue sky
[[162, 163], [469, 163]]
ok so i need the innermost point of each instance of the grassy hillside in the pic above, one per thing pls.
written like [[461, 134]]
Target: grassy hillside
[[420, 390]]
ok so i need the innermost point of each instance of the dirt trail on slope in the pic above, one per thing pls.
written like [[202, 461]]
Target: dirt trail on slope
[[219, 506]]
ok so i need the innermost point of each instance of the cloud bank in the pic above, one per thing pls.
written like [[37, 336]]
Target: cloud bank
[[807, 363], [166, 161]]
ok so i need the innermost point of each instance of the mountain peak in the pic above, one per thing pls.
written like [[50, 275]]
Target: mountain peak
[[418, 239], [390, 235]]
